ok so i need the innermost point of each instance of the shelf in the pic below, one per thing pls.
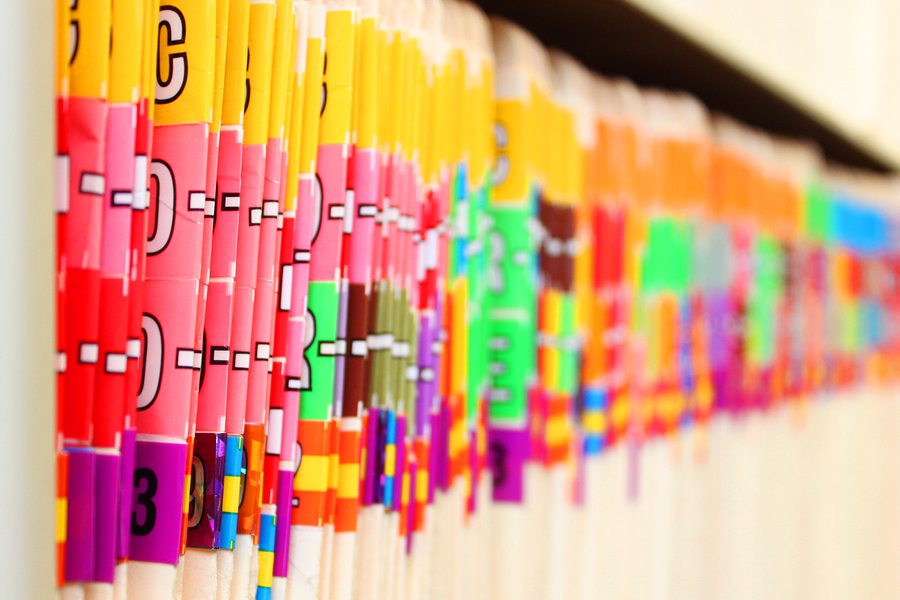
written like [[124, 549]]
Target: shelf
[[657, 45]]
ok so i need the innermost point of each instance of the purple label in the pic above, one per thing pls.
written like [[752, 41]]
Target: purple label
[[125, 493], [106, 501], [718, 330], [158, 501], [412, 506], [443, 448], [426, 383], [80, 515], [283, 522], [473, 471], [401, 462], [371, 442], [380, 449], [508, 452], [207, 486]]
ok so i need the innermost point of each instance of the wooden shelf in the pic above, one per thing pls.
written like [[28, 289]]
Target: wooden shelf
[[656, 45]]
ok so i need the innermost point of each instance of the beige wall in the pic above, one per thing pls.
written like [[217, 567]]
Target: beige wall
[[27, 563], [840, 58]]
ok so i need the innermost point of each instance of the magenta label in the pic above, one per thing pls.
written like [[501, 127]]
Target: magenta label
[[106, 498], [206, 487], [371, 445], [80, 515], [283, 522], [158, 501], [508, 452], [127, 468]]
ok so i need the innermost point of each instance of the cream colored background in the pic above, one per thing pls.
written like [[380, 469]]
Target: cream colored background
[[26, 300], [840, 59]]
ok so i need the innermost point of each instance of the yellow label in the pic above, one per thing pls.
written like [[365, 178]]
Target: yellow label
[[621, 411], [220, 49], [337, 82], [348, 481], [282, 65], [313, 474], [333, 475], [62, 507], [390, 460], [231, 494], [125, 55], [414, 112], [149, 41], [367, 84], [259, 72], [510, 152], [266, 564], [594, 422], [428, 156], [404, 489], [313, 93], [557, 432], [384, 87], [63, 48], [395, 96], [294, 119], [90, 22], [235, 76], [185, 62], [460, 336]]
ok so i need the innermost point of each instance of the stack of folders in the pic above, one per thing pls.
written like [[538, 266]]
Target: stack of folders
[[382, 300]]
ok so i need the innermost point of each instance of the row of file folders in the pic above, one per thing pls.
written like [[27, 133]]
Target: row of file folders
[[335, 280]]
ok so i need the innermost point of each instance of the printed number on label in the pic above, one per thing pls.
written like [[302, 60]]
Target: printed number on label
[[144, 478]]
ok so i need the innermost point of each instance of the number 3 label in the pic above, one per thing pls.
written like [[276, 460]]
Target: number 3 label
[[143, 524], [158, 501]]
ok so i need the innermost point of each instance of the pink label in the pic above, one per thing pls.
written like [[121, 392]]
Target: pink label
[[261, 350], [366, 169], [209, 212], [241, 357], [82, 326], [289, 444], [308, 195], [200, 356], [391, 218], [118, 196], [87, 181], [168, 357], [329, 207], [228, 204], [177, 202], [252, 175], [158, 501], [214, 386], [112, 362], [275, 168]]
